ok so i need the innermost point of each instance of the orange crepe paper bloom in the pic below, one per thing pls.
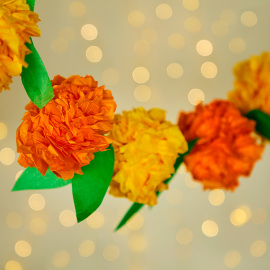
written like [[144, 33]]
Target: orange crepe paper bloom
[[146, 147], [252, 84], [65, 133], [17, 25], [226, 148]]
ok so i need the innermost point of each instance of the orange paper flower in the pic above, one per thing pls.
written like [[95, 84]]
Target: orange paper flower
[[17, 24], [252, 84], [146, 147], [226, 148], [65, 133]]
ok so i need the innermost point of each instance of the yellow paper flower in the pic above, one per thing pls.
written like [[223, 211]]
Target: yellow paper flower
[[146, 147], [252, 84], [17, 25]]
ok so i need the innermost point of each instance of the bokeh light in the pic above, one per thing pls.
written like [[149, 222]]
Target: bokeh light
[[136, 18], [216, 197], [190, 5], [23, 248], [237, 45], [240, 216], [137, 243], [140, 75], [175, 70], [77, 9], [111, 253], [96, 220], [18, 174], [89, 32], [209, 70], [142, 93], [204, 47], [232, 259], [3, 131], [94, 54], [136, 222], [61, 259], [258, 248], [87, 248], [67, 218], [36, 202], [38, 226], [249, 18], [7, 156], [210, 228], [13, 265], [184, 236], [164, 11], [195, 96]]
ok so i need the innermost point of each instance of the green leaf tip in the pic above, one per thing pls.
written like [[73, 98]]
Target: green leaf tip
[[262, 122], [90, 188], [135, 207], [31, 179], [35, 78], [31, 4]]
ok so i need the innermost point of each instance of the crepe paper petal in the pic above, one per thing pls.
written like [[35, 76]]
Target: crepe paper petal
[[35, 78], [137, 206], [90, 188], [262, 122], [31, 178], [31, 4]]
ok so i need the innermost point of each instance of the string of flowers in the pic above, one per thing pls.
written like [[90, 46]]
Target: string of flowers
[[70, 135]]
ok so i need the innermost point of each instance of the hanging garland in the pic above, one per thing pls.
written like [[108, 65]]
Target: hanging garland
[[70, 135]]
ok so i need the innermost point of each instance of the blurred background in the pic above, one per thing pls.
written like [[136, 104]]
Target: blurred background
[[168, 54]]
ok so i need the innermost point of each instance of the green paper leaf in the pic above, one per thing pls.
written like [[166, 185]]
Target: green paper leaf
[[31, 178], [137, 206], [90, 188], [35, 78], [262, 122], [31, 4]]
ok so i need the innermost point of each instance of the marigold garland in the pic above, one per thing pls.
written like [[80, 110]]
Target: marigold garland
[[146, 147], [17, 25], [65, 133], [226, 148], [252, 84]]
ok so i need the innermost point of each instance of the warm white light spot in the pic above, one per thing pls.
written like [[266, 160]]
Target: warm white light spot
[[210, 228], [141, 47], [96, 220], [137, 243], [190, 182], [87, 248], [89, 32], [38, 226], [94, 54], [59, 45], [77, 9], [3, 131], [61, 259], [150, 35], [111, 253], [14, 220], [23, 248], [173, 216], [174, 196], [195, 96], [237, 45], [240, 216], [190, 4], [249, 19], [142, 93], [258, 248], [140, 75], [176, 41], [209, 70], [7, 156], [13, 265], [67, 33], [164, 11], [184, 236], [36, 202], [228, 16], [232, 259], [67, 218], [259, 216], [216, 197], [204, 47], [110, 76], [18, 174], [220, 29], [136, 18], [136, 222], [174, 70], [192, 24]]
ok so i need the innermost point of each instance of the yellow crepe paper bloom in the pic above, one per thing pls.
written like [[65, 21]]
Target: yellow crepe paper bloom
[[252, 84], [17, 25], [146, 147]]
